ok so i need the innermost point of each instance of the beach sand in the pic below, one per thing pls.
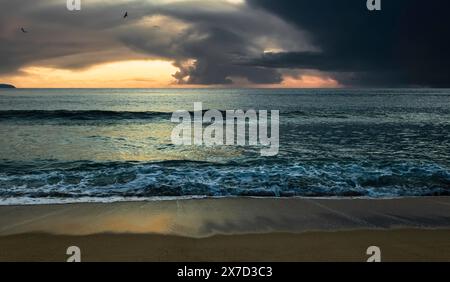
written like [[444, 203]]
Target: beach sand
[[398, 245], [229, 230]]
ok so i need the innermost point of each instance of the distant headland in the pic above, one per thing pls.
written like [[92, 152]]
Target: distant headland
[[7, 86]]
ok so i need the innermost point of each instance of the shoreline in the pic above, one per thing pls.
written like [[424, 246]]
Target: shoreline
[[231, 229], [212, 198]]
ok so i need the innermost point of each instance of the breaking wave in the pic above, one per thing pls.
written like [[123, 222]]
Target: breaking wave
[[117, 181]]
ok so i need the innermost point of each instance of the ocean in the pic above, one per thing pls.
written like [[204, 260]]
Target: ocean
[[107, 145]]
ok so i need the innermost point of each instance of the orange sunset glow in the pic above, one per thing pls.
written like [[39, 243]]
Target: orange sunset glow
[[135, 74], [157, 45]]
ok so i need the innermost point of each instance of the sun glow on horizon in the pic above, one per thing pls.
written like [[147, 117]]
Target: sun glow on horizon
[[310, 81], [124, 74], [138, 74]]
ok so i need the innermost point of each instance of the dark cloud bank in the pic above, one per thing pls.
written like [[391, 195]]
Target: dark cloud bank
[[406, 44]]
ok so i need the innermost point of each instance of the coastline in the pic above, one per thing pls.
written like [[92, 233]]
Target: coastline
[[230, 230]]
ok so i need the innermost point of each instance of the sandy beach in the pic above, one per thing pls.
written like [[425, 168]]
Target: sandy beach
[[415, 229], [225, 131]]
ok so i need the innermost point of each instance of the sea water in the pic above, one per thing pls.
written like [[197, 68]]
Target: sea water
[[104, 145]]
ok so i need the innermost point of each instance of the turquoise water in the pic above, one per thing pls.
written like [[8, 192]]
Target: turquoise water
[[112, 145]]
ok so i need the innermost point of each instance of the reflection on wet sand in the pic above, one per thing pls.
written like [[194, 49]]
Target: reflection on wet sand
[[209, 217]]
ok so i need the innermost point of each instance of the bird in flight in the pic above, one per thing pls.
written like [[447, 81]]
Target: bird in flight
[[126, 15], [23, 30]]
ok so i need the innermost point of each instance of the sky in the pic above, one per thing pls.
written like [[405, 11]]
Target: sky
[[225, 43]]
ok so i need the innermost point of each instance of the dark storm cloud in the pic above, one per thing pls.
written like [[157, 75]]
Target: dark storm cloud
[[218, 39], [214, 35], [405, 44], [212, 42], [53, 32]]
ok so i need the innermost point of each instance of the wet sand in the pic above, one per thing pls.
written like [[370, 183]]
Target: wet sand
[[416, 229]]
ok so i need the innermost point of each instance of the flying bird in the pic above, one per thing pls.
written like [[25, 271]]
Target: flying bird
[[126, 15], [23, 30]]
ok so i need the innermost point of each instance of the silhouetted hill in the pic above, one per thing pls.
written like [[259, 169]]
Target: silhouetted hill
[[8, 86]]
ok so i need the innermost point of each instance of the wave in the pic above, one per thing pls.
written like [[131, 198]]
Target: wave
[[79, 115], [83, 117], [93, 115], [72, 181]]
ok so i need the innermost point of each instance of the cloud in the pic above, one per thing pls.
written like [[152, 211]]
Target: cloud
[[405, 44], [53, 33], [204, 39], [227, 41], [215, 37]]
